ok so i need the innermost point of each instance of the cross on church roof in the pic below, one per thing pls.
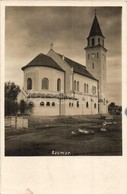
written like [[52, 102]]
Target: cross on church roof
[[28, 191], [51, 45]]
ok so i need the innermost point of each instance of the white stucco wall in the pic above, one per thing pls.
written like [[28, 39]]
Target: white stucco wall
[[82, 80], [45, 110], [38, 73]]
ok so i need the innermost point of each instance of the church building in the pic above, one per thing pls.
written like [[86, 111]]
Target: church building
[[57, 85]]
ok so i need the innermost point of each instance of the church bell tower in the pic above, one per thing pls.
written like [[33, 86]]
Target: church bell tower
[[96, 61]]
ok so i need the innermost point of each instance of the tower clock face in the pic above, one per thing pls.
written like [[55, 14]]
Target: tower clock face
[[93, 55]]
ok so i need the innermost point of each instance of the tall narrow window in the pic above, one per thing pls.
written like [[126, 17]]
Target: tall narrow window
[[95, 105], [92, 89], [29, 84], [77, 103], [87, 88], [98, 40], [93, 65], [58, 85], [93, 42], [87, 105], [45, 84], [78, 86], [84, 88], [74, 85], [104, 101]]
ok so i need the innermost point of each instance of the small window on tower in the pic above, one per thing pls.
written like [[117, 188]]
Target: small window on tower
[[98, 40], [78, 86], [104, 101], [87, 88], [93, 42], [74, 84], [93, 65]]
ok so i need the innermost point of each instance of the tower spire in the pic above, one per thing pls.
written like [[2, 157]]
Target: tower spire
[[95, 28]]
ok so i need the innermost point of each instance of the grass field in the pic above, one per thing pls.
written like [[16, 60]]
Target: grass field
[[53, 137]]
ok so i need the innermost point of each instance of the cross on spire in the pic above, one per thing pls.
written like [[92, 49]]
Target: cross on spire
[[51, 45], [95, 11]]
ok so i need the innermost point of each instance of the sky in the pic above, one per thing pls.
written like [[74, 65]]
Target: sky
[[29, 31]]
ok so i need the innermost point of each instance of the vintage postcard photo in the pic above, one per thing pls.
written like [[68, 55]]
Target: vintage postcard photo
[[63, 97], [63, 86]]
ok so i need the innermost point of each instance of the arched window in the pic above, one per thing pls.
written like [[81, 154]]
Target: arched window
[[77, 103], [84, 88], [87, 88], [45, 84], [95, 105], [58, 85], [87, 104], [93, 42], [53, 103], [78, 86], [42, 103], [48, 104], [31, 103], [29, 84]]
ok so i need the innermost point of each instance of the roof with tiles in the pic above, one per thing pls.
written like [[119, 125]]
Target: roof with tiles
[[77, 67], [43, 60]]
